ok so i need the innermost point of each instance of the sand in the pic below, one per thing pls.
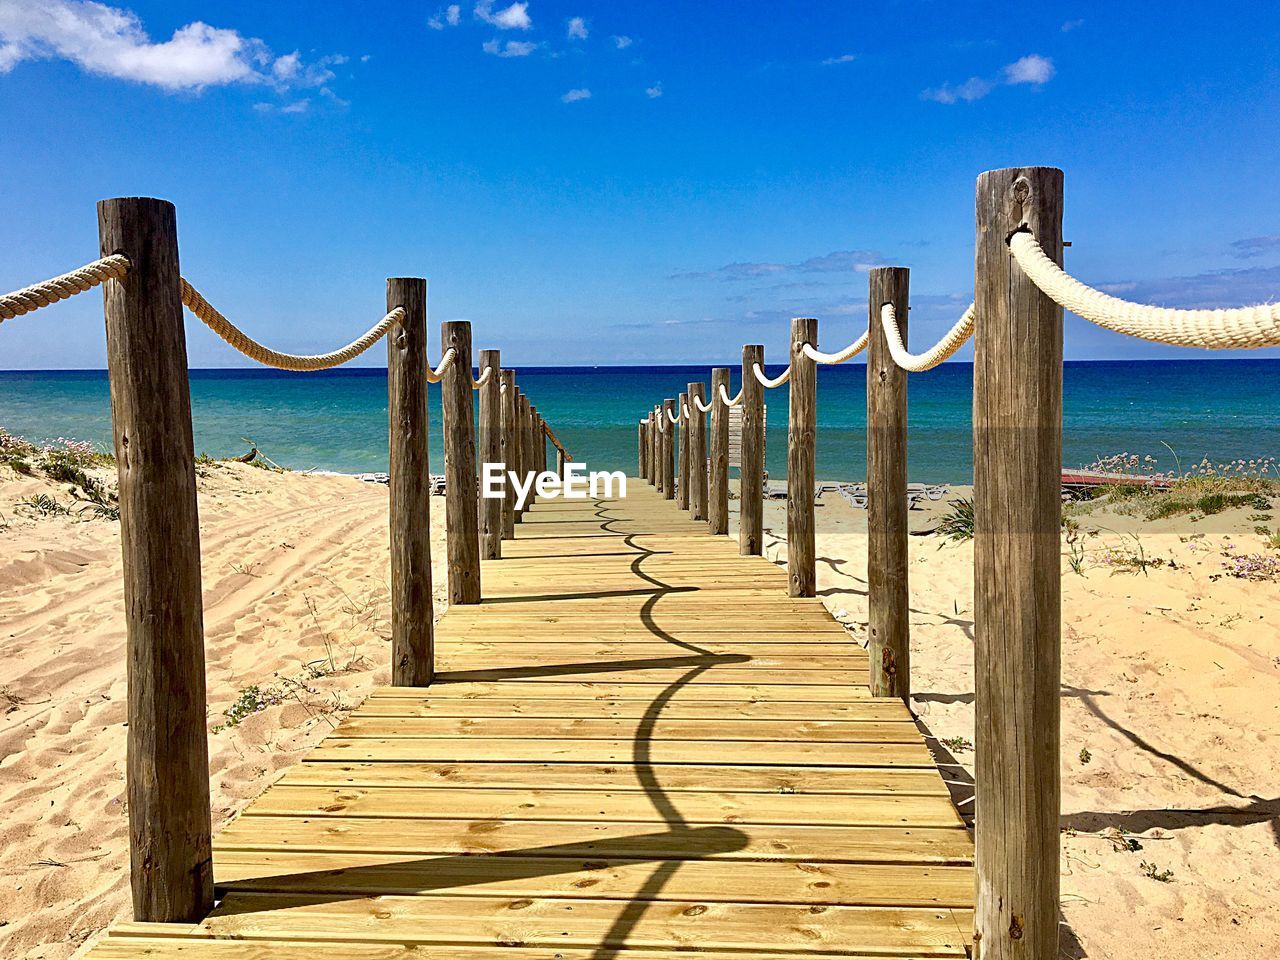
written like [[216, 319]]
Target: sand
[[1170, 683], [295, 572], [1170, 688]]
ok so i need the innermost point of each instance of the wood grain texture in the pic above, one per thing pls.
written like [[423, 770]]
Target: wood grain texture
[[412, 614], [888, 600], [490, 508], [697, 453], [682, 437], [645, 746], [802, 447], [168, 751], [510, 451], [751, 470], [1017, 423], [718, 455], [460, 492], [667, 457]]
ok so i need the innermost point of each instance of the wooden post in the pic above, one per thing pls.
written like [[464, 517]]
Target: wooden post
[[718, 482], [490, 518], [518, 446], [542, 443], [526, 450], [640, 458], [1017, 462], [460, 510], [168, 750], [510, 451], [561, 462], [412, 615], [531, 437], [655, 452], [802, 442], [682, 484], [751, 469], [888, 597], [667, 457], [539, 445], [697, 453]]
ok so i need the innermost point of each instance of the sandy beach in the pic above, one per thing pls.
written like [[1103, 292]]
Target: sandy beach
[[1170, 709]]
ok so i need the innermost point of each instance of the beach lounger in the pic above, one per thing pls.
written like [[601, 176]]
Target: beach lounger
[[437, 486]]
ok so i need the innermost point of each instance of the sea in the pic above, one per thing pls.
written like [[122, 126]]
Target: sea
[[1174, 411]]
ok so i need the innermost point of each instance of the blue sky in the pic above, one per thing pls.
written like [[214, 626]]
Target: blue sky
[[625, 183]]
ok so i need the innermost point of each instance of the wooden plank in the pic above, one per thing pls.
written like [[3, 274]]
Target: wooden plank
[[835, 690], [588, 923], [705, 880], [666, 729], [757, 753], [698, 709], [674, 778], [445, 803], [653, 841]]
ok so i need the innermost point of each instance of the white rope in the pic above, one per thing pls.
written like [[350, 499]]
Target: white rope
[[436, 375], [684, 413], [1240, 327], [254, 350], [704, 408], [724, 397], [919, 362], [60, 288], [662, 427], [777, 381], [481, 380], [675, 421], [847, 353]]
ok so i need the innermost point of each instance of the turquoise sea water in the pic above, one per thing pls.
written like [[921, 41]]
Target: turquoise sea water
[[1222, 409]]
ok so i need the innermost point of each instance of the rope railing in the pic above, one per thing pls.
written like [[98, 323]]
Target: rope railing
[[481, 380], [675, 421], [685, 415], [1223, 329], [848, 353], [436, 375], [251, 348], [953, 340], [704, 407], [777, 381], [724, 397], [62, 287]]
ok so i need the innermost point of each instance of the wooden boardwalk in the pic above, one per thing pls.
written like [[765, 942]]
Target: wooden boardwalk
[[638, 742]]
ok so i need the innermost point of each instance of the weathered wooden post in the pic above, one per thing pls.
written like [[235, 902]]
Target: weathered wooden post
[[697, 453], [751, 469], [168, 749], [510, 451], [802, 435], [655, 452], [526, 449], [490, 518], [682, 483], [667, 456], [412, 619], [539, 444], [641, 466], [718, 482], [460, 488], [1017, 462], [561, 462], [518, 447], [888, 595]]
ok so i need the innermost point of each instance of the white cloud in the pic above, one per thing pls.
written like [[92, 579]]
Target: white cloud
[[112, 42], [1032, 68], [577, 29], [450, 16], [1072, 25], [511, 48], [514, 17], [843, 58], [975, 88], [622, 42], [573, 96], [654, 92]]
